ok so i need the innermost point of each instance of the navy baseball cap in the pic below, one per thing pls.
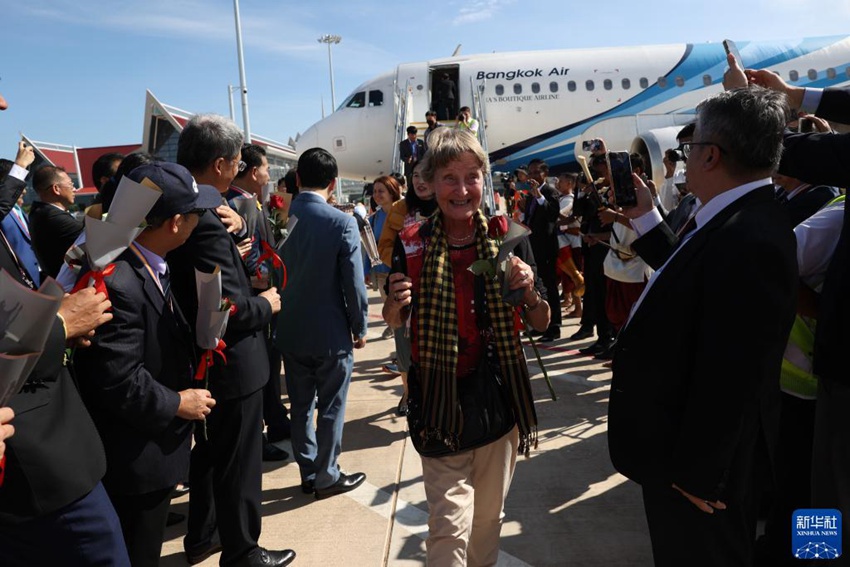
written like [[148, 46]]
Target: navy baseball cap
[[180, 193]]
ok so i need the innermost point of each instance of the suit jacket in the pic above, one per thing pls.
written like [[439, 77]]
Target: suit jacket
[[803, 205], [53, 232], [247, 368], [129, 379], [693, 417], [543, 223], [406, 151], [325, 302], [56, 456], [18, 236], [822, 159]]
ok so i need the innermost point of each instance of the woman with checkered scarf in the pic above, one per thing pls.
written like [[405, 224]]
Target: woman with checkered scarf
[[432, 290]]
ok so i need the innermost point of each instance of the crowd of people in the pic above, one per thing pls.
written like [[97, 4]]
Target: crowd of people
[[718, 300]]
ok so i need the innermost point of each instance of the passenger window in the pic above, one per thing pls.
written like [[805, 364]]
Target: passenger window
[[607, 84], [662, 82], [706, 80], [830, 73], [793, 75], [644, 82], [517, 88], [553, 87], [571, 85], [535, 88], [358, 100], [376, 98], [812, 74], [500, 90], [589, 85], [680, 81], [627, 84]]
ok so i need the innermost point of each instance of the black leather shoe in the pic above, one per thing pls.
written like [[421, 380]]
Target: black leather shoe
[[534, 333], [265, 558], [196, 555], [307, 487], [594, 349], [346, 483], [550, 335], [272, 453], [581, 334], [607, 354]]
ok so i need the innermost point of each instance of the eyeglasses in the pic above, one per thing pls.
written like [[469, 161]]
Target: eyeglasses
[[686, 147]]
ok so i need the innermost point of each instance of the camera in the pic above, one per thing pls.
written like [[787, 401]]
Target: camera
[[591, 145], [674, 155]]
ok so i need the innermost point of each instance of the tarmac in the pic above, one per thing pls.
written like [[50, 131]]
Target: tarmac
[[566, 507]]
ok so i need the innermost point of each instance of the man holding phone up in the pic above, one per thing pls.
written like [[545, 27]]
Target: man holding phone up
[[686, 426], [541, 215]]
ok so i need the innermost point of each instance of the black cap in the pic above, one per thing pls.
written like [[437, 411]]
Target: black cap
[[180, 193]]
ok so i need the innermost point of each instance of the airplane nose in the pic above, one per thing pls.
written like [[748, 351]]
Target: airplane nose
[[308, 139]]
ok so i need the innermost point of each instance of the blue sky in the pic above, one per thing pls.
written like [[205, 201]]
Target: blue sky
[[75, 71]]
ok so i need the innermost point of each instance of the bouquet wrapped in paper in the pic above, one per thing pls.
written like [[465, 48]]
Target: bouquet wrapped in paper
[[108, 236], [211, 321], [23, 332]]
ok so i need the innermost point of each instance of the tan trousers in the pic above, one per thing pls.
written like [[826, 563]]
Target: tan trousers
[[466, 497]]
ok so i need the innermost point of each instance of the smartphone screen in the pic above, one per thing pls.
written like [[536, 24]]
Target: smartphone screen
[[730, 47], [805, 125], [620, 169]]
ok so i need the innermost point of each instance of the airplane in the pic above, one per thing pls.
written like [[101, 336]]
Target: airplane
[[544, 104]]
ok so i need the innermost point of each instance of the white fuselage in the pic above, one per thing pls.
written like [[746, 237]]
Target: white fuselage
[[542, 104]]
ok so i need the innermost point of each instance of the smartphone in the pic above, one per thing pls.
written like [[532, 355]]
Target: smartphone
[[805, 125], [620, 168], [590, 145], [730, 47]]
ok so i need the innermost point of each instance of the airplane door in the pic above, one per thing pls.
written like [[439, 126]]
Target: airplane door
[[445, 91]]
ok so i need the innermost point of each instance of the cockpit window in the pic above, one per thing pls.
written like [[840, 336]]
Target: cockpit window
[[357, 100], [376, 98]]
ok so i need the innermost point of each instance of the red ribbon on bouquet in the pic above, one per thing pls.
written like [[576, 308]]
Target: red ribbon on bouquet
[[208, 360], [270, 254], [2, 469], [98, 277]]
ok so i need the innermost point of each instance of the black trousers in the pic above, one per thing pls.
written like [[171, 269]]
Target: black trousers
[[143, 519], [274, 412], [595, 291], [226, 477], [683, 535], [547, 273]]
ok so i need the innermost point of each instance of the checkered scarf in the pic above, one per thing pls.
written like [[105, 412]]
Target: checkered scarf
[[437, 336]]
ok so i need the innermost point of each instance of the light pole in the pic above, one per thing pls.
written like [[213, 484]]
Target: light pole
[[243, 84], [230, 89], [331, 39]]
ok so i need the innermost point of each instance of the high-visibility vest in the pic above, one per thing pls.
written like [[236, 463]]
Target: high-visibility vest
[[796, 377]]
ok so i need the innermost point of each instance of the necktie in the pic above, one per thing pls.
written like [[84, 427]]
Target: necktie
[[687, 228], [165, 282]]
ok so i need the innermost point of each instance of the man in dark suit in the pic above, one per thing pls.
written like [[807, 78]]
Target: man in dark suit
[[445, 98], [541, 216], [53, 507], [686, 425], [800, 199], [136, 378], [411, 151], [247, 188], [53, 227], [322, 254], [226, 468]]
